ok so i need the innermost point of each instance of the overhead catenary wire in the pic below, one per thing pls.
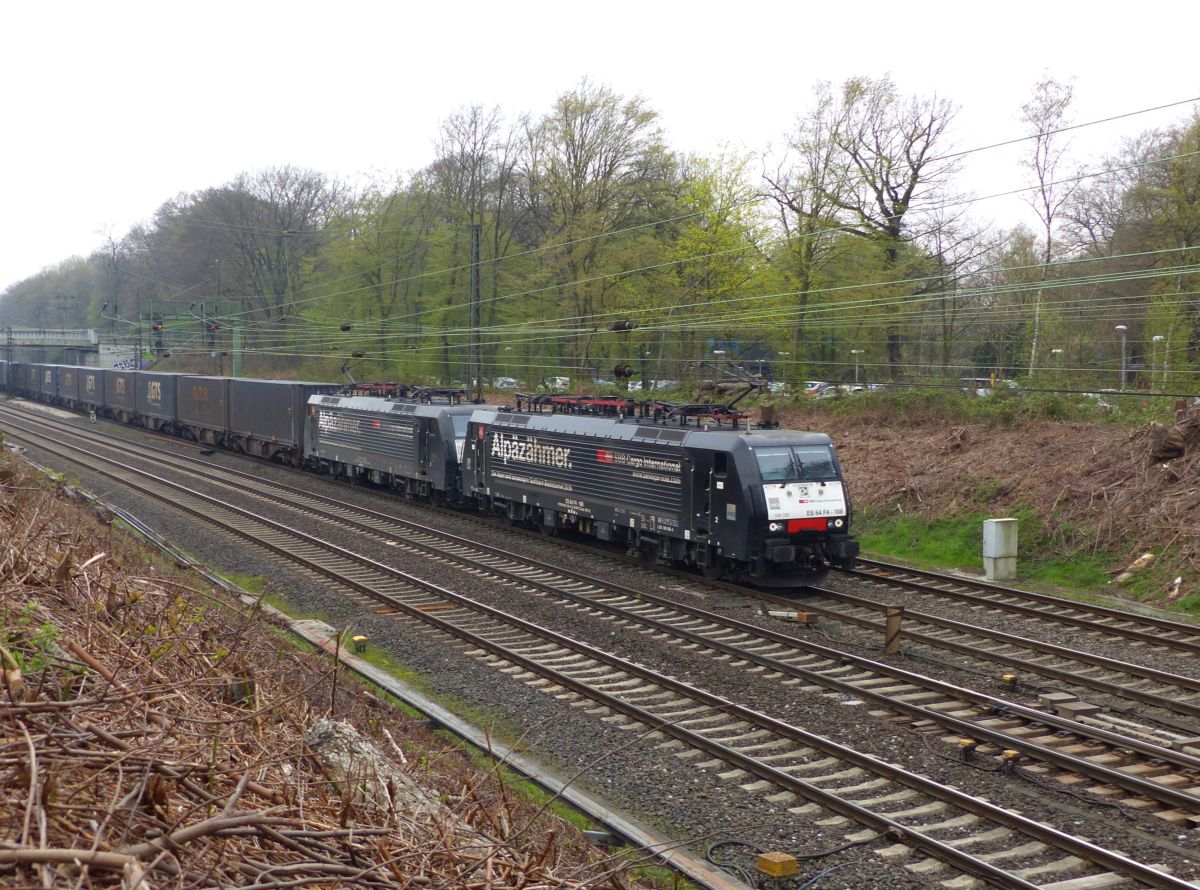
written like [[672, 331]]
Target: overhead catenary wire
[[612, 313], [754, 316], [583, 239]]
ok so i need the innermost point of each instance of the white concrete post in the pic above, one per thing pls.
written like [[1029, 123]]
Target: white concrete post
[[1000, 549]]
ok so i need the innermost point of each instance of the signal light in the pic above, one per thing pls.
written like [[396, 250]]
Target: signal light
[[157, 326], [622, 370], [622, 325], [213, 327]]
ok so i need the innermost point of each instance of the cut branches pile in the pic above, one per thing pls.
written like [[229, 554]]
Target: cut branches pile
[[155, 736]]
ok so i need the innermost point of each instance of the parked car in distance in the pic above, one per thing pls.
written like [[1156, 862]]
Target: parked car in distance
[[777, 386], [982, 386], [833, 391], [555, 383], [656, 384], [814, 387], [505, 383]]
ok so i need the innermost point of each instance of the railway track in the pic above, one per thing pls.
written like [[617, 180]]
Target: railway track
[[1149, 631], [795, 763], [758, 646], [1169, 693]]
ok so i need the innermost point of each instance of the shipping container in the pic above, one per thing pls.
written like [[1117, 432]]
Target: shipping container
[[266, 417], [91, 387], [155, 401], [69, 378], [120, 394], [47, 389], [203, 407]]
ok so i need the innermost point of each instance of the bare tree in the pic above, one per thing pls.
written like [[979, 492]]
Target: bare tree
[[598, 163], [890, 146], [808, 187], [474, 173], [274, 220], [1045, 115]]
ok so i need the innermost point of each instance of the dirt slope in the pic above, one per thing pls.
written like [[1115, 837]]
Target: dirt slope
[[1097, 488]]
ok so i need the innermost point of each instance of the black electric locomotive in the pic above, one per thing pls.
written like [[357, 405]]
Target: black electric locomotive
[[767, 506], [410, 447]]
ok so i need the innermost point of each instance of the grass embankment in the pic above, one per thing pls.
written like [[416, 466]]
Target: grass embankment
[[1084, 476], [954, 542]]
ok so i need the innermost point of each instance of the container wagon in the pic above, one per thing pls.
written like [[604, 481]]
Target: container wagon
[[120, 394], [91, 388], [155, 399], [203, 407], [69, 380], [266, 417], [47, 388]]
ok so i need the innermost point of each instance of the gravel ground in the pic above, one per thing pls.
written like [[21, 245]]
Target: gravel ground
[[665, 790]]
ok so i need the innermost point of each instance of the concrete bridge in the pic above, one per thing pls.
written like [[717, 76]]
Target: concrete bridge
[[70, 346], [80, 338]]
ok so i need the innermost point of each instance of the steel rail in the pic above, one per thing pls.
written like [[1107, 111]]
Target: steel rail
[[1046, 598], [956, 858], [1112, 664], [621, 825], [1080, 766], [1045, 614]]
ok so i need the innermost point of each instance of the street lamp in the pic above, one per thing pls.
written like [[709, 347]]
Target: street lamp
[[1057, 353], [856, 353], [1154, 341], [1121, 329]]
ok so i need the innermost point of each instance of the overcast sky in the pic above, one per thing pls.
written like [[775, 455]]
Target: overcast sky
[[111, 108]]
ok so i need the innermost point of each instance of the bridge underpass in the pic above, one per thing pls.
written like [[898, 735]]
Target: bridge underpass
[[68, 346]]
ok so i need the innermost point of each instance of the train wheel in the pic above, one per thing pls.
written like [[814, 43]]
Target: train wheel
[[714, 568]]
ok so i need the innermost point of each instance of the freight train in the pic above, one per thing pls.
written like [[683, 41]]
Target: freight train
[[694, 487]]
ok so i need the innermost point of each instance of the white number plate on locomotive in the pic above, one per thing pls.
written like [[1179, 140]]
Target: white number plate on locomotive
[[802, 500]]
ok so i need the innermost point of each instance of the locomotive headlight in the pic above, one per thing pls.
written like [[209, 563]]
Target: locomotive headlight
[[838, 523], [776, 526]]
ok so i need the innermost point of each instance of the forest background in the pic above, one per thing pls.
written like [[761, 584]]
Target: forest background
[[851, 255]]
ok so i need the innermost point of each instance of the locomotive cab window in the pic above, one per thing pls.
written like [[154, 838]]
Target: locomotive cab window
[[460, 422], [808, 463]]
